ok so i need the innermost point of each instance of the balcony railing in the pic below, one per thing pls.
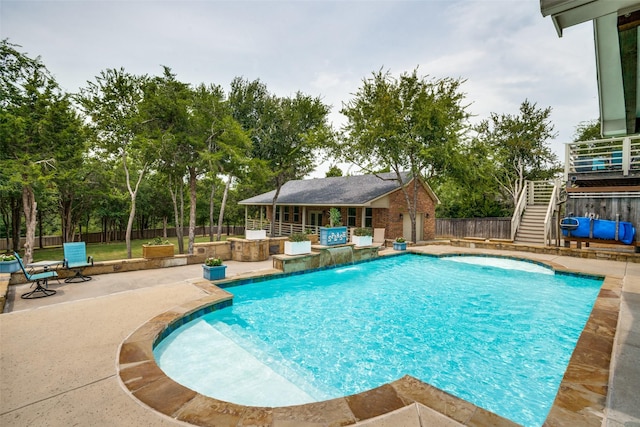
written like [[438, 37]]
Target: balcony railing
[[613, 156]]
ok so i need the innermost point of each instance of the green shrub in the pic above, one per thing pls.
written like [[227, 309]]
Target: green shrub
[[7, 257], [299, 237], [212, 262], [362, 232], [158, 241]]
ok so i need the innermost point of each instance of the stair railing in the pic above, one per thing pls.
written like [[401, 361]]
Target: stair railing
[[551, 209], [519, 210]]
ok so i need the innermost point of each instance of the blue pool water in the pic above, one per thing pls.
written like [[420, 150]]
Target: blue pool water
[[484, 329]]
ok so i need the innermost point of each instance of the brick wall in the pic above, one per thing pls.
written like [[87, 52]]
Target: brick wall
[[398, 205]]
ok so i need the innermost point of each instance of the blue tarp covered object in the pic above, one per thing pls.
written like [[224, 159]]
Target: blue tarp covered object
[[598, 229]]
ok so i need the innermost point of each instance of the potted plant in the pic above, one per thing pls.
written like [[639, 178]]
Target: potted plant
[[213, 269], [313, 237], [400, 244], [8, 263], [255, 234], [362, 237], [298, 244], [335, 234], [157, 248]]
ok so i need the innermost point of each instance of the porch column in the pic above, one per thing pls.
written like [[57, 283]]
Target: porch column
[[246, 217], [304, 219], [363, 210], [280, 222]]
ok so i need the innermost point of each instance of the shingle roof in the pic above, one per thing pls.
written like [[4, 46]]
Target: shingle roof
[[339, 191]]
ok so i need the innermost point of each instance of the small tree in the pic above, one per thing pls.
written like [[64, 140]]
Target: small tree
[[518, 147]]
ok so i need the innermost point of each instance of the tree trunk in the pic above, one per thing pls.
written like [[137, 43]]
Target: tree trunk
[[30, 208], [182, 216], [67, 227], [410, 206], [177, 218], [223, 204], [6, 221], [164, 226], [16, 219], [192, 209], [133, 192], [211, 207], [127, 236], [86, 237], [40, 232], [273, 208]]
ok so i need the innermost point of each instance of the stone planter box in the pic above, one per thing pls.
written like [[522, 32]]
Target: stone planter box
[[333, 236], [216, 272], [9, 266], [397, 246], [362, 240], [157, 251], [256, 234], [297, 248]]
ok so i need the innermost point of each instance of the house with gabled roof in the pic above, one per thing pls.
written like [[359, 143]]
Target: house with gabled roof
[[373, 201]]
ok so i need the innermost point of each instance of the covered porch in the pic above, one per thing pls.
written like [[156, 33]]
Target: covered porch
[[308, 219]]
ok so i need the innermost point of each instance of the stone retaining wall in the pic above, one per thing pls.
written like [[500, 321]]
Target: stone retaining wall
[[551, 250], [4, 288]]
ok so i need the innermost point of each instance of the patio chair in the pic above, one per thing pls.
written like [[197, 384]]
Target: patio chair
[[76, 259], [41, 280], [378, 236]]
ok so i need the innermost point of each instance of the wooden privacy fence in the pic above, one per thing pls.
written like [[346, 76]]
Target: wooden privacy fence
[[115, 236], [488, 228]]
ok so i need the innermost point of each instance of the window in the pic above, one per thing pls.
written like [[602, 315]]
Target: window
[[368, 217], [277, 213], [296, 214], [286, 213], [351, 217]]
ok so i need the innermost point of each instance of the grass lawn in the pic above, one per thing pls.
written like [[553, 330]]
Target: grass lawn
[[110, 251]]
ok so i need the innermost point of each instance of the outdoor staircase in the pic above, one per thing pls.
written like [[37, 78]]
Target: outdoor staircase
[[531, 230], [535, 203]]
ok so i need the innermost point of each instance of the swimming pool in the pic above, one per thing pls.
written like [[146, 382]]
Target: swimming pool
[[468, 329]]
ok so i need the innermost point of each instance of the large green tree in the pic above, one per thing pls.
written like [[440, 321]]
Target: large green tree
[[295, 131], [407, 124], [286, 132], [165, 114], [227, 144], [73, 176], [112, 103], [196, 133], [36, 118]]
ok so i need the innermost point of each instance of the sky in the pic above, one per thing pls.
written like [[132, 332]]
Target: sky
[[504, 49]]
